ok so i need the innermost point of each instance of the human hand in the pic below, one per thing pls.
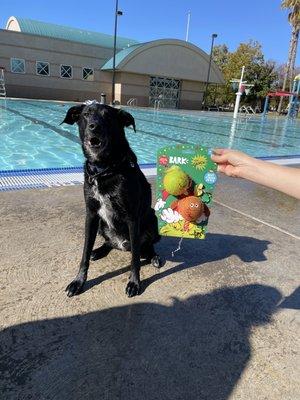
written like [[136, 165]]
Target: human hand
[[232, 162], [237, 164]]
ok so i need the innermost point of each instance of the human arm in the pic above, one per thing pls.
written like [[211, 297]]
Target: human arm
[[238, 164]]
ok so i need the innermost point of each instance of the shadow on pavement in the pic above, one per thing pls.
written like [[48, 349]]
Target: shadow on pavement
[[194, 253], [195, 349]]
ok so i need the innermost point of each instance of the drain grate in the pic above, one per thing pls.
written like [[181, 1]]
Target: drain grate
[[49, 177], [40, 178]]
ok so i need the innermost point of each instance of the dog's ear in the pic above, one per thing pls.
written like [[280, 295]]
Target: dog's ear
[[73, 115], [126, 119]]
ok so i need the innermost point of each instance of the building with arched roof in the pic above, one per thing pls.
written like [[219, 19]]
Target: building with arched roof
[[49, 61]]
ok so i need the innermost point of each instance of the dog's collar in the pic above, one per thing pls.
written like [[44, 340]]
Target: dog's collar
[[95, 170]]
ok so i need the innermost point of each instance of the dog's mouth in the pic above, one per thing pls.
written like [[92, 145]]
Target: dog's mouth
[[94, 142]]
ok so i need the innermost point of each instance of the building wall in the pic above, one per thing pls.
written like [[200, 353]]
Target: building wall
[[171, 58], [133, 86], [191, 94], [34, 48]]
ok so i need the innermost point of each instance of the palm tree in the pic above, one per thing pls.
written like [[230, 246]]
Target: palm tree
[[294, 20]]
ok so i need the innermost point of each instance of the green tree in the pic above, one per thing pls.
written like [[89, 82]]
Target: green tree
[[257, 71], [294, 19]]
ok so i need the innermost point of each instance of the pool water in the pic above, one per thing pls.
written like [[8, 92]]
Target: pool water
[[32, 137]]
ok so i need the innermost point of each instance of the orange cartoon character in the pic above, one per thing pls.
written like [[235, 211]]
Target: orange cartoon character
[[191, 209]]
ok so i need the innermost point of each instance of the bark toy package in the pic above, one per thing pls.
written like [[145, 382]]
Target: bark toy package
[[186, 177]]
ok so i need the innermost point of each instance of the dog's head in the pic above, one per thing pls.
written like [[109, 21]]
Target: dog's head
[[101, 130]]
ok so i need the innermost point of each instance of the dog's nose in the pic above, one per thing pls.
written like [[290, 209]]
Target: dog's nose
[[92, 126]]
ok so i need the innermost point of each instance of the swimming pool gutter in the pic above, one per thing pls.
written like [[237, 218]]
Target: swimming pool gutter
[[50, 177], [55, 177]]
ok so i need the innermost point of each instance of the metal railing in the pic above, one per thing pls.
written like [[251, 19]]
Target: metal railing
[[157, 104], [132, 102], [247, 110], [2, 83]]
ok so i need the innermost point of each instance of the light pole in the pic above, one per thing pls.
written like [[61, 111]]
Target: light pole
[[188, 27], [117, 13], [213, 36]]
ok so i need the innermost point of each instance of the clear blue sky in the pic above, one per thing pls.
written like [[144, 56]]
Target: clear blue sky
[[143, 20]]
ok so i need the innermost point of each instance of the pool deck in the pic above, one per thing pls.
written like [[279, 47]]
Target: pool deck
[[219, 321]]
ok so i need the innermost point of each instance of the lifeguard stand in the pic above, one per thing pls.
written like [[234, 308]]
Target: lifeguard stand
[[294, 103], [2, 83]]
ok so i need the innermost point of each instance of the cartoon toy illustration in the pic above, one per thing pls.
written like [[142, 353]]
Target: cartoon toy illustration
[[186, 176], [176, 182], [200, 191], [199, 162], [210, 177], [163, 160], [177, 226], [190, 208]]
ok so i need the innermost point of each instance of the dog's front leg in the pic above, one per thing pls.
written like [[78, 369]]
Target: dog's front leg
[[91, 228], [133, 286]]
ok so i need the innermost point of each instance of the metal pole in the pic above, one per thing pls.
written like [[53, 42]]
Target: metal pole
[[114, 56], [292, 99], [213, 36], [188, 27], [238, 95], [265, 107]]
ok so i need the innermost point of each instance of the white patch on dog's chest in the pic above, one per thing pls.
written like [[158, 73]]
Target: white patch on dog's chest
[[105, 211]]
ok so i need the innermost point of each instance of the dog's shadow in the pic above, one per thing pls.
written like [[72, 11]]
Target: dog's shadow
[[194, 349], [194, 253]]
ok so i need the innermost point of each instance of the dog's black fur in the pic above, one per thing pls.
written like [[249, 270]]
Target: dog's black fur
[[117, 194]]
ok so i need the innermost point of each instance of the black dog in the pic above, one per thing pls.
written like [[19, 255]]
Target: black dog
[[117, 194]]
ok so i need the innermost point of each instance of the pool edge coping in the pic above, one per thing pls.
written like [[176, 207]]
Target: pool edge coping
[[43, 178]]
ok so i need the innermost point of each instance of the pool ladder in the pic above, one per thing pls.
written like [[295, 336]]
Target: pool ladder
[[132, 102], [157, 104], [2, 83]]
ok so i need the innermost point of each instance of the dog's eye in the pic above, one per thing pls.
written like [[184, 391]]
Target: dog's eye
[[192, 205], [196, 205], [85, 114]]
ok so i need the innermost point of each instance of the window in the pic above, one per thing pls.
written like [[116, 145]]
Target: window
[[88, 74], [66, 71], [42, 68], [17, 65], [165, 90]]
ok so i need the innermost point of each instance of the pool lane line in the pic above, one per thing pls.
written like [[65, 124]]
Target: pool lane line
[[61, 132], [70, 136], [257, 220], [216, 133], [205, 118], [189, 122], [225, 116], [197, 130]]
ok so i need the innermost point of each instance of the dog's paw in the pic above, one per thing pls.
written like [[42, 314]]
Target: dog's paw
[[75, 287], [133, 288], [156, 261], [101, 252], [96, 255]]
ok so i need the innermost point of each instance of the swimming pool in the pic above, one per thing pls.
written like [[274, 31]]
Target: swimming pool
[[32, 137]]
